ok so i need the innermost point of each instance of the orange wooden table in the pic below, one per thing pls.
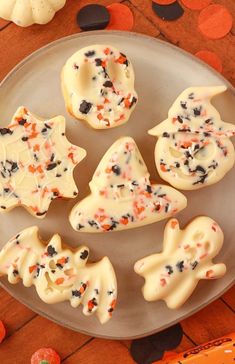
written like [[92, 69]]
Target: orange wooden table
[[26, 331]]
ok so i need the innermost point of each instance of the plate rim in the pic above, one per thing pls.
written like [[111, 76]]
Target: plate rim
[[150, 39]]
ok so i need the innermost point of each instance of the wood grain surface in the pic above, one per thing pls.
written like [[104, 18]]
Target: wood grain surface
[[26, 331]]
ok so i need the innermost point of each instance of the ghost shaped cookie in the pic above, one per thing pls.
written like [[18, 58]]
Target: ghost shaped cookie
[[186, 258], [122, 196], [193, 148], [98, 86], [36, 163], [59, 273]]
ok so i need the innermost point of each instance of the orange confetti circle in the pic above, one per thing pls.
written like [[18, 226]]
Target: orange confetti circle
[[2, 331], [196, 4], [215, 21], [210, 58], [121, 17], [164, 2]]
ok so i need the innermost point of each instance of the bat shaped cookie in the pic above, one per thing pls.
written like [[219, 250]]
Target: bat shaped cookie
[[186, 258], [59, 273], [193, 148], [122, 196], [36, 163], [98, 86]]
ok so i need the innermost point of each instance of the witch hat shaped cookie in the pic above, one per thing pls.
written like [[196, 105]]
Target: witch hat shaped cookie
[[59, 273], [193, 148], [122, 196]]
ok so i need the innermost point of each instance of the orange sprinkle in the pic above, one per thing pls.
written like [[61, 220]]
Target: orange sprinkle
[[32, 268], [121, 59], [61, 261], [124, 221], [107, 51], [215, 21], [105, 227], [99, 116], [174, 223], [210, 273], [36, 148], [100, 107], [31, 168], [59, 281], [163, 168]]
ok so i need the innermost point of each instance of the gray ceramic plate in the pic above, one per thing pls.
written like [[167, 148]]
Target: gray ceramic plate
[[162, 71]]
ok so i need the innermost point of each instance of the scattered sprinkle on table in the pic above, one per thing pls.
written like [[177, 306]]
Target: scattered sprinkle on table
[[196, 4], [168, 12], [93, 17], [121, 17], [215, 21]]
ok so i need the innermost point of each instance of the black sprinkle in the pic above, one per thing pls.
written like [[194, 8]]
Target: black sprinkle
[[51, 251], [116, 169], [169, 269], [60, 266], [197, 111], [51, 166], [183, 104], [84, 254], [3, 207], [194, 264], [108, 84], [24, 139], [149, 189], [22, 121], [200, 169], [4, 131], [15, 272], [166, 135], [80, 226], [133, 101], [76, 293], [191, 96], [98, 62], [85, 107], [180, 266], [180, 120], [90, 54]]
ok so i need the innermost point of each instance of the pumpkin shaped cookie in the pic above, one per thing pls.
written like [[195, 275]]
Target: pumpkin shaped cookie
[[28, 12]]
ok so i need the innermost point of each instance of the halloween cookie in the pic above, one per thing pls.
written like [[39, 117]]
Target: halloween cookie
[[60, 274], [98, 86], [122, 196], [186, 258], [28, 12], [193, 148], [36, 163]]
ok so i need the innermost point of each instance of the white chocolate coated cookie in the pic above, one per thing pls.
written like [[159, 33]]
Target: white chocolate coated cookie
[[186, 258], [122, 196], [28, 12], [98, 86], [193, 148], [59, 273], [36, 163]]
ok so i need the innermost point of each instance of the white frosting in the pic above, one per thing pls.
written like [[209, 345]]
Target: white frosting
[[186, 258], [60, 274], [98, 86], [28, 12], [193, 148], [36, 163], [122, 196]]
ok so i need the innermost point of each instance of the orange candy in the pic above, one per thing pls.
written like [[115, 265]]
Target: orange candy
[[196, 4], [121, 17], [210, 58], [215, 21]]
